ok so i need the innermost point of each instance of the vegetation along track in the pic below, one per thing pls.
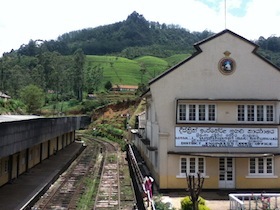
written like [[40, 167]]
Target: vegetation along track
[[79, 187]]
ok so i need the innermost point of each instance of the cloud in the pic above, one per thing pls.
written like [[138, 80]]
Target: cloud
[[258, 20], [21, 21]]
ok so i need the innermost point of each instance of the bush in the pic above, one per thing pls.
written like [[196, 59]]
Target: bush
[[33, 97], [89, 105], [161, 205], [186, 204], [73, 102]]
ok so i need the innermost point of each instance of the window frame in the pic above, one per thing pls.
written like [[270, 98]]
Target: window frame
[[260, 163], [187, 165], [196, 112], [256, 113]]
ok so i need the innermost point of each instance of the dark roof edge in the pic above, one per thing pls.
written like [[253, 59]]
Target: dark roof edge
[[256, 47], [176, 66], [145, 93], [223, 32], [265, 60], [198, 51]]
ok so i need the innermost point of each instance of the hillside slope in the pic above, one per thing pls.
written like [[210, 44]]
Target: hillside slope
[[119, 70]]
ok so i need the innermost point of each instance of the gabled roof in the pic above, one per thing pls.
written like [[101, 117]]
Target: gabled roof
[[196, 45], [198, 51]]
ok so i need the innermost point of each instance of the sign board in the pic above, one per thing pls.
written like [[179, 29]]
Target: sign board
[[226, 137]]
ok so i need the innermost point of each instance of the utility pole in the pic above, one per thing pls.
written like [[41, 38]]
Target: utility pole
[[225, 14]]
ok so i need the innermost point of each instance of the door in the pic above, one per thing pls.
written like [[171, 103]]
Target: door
[[226, 173]]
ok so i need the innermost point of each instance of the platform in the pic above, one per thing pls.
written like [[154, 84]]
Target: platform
[[18, 194]]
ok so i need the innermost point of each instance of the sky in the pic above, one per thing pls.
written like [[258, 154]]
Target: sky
[[21, 21]]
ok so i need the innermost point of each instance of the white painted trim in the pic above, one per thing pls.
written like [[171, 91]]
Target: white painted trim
[[261, 177], [184, 176]]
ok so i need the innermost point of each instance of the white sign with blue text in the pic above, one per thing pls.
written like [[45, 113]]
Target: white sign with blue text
[[226, 137]]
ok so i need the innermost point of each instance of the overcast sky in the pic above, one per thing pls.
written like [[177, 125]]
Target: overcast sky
[[23, 20]]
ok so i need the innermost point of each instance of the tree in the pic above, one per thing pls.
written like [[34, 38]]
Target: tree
[[38, 77], [194, 187], [18, 78], [93, 78], [2, 86], [108, 85], [78, 75], [33, 97], [31, 49], [273, 44]]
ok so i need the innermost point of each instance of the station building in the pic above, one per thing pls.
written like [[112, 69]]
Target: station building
[[216, 113], [25, 141]]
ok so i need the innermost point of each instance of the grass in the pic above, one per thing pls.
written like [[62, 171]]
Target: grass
[[116, 69], [175, 59], [66, 107], [11, 106], [152, 66], [119, 70], [86, 200]]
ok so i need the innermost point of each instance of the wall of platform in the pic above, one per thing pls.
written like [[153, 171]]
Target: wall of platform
[[26, 143]]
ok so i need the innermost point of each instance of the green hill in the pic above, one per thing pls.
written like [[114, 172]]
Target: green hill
[[151, 66], [175, 59], [119, 70], [135, 37]]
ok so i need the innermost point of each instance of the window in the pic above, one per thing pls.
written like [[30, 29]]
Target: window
[[260, 113], [261, 166], [250, 112], [241, 113], [182, 112], [255, 113], [192, 165], [196, 113], [211, 112], [192, 112], [201, 112], [269, 113]]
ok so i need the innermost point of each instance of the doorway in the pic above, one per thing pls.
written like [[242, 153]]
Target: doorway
[[226, 173]]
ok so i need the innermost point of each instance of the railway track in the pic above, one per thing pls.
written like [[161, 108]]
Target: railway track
[[115, 188], [65, 192], [108, 195], [101, 162]]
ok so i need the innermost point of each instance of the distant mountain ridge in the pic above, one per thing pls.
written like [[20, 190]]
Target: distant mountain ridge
[[136, 37], [147, 37], [130, 52]]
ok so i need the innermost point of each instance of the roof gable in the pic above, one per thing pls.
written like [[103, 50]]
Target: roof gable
[[222, 33], [197, 46]]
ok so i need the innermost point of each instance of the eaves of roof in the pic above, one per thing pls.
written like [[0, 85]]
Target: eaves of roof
[[218, 155]]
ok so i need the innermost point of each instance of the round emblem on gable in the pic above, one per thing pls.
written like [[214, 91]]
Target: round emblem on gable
[[227, 65]]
